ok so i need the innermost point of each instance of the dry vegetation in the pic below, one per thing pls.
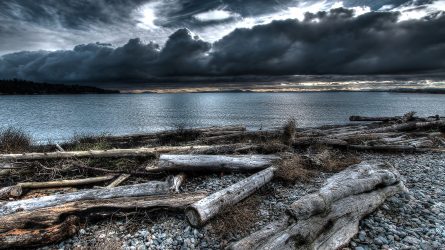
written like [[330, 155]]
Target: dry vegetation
[[289, 131], [332, 160], [295, 168], [239, 219], [14, 140]]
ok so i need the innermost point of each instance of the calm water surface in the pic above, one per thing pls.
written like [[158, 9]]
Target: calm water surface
[[58, 117]]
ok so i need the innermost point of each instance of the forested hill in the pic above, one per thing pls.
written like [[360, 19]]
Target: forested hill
[[22, 87]]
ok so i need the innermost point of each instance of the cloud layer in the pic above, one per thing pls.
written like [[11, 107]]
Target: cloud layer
[[332, 42]]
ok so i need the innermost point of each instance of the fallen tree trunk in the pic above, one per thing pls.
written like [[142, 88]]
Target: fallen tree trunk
[[329, 218], [213, 163], [202, 211], [48, 216], [139, 152], [144, 189]]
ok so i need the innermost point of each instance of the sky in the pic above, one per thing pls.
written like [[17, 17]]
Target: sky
[[142, 40]]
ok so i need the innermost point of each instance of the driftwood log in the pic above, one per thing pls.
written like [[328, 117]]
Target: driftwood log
[[213, 163], [202, 211], [49, 225], [135, 152], [17, 190], [149, 188], [330, 218], [119, 180]]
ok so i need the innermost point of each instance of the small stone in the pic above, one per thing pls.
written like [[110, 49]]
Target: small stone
[[362, 236], [82, 231], [411, 240]]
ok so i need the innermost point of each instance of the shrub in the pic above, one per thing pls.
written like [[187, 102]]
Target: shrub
[[289, 130], [14, 140], [295, 168]]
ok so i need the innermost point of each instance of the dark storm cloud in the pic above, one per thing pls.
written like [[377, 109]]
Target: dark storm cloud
[[182, 55], [334, 42], [327, 42], [70, 14]]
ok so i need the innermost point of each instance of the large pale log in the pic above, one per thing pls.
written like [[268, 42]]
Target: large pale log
[[359, 178], [329, 218], [213, 163], [144, 189], [138, 152], [48, 216], [21, 238], [202, 211]]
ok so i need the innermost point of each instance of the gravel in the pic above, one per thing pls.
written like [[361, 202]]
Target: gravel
[[412, 221]]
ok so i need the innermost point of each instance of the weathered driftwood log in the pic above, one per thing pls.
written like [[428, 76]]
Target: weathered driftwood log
[[213, 163], [322, 231], [307, 141], [119, 180], [17, 190], [138, 152], [202, 211], [357, 118], [21, 238], [48, 216], [359, 178], [144, 189], [329, 218]]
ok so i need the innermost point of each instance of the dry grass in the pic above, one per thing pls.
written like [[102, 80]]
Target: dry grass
[[238, 219], [85, 142], [295, 168], [332, 160], [14, 140], [289, 131]]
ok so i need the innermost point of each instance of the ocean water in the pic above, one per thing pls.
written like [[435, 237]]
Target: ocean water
[[58, 117]]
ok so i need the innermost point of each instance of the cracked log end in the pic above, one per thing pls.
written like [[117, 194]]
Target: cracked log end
[[193, 216]]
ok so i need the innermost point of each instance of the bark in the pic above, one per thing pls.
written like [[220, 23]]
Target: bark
[[21, 238], [199, 213], [45, 217], [213, 163], [329, 218], [139, 152], [119, 180], [144, 189]]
